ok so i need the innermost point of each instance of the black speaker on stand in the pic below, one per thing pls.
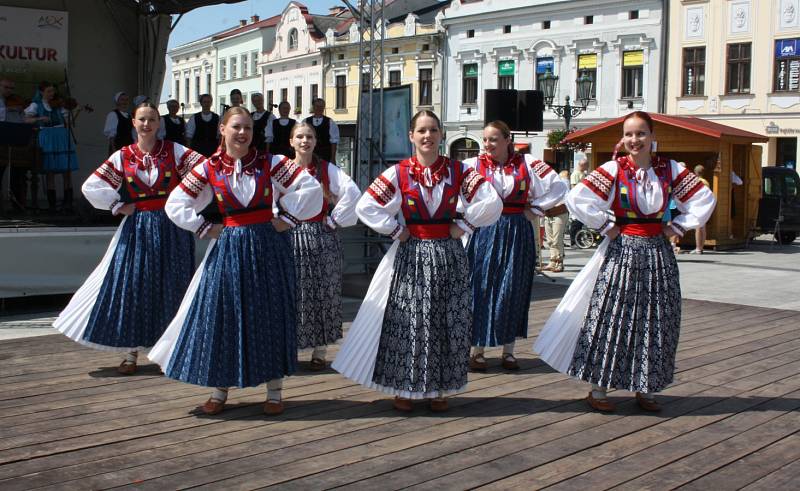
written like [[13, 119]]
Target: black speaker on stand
[[521, 110]]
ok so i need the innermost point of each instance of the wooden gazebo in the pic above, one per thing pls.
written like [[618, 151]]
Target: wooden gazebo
[[719, 148]]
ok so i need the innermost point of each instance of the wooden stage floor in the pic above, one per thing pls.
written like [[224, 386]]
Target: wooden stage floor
[[730, 421]]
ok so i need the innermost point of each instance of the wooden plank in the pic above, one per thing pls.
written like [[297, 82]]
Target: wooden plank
[[783, 479]]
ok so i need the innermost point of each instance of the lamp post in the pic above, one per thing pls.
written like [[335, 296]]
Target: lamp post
[[548, 83]]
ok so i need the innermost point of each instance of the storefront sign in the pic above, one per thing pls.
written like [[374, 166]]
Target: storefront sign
[[544, 64], [587, 61], [506, 68], [633, 58]]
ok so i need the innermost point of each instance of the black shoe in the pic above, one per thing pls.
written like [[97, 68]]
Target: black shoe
[[51, 200], [67, 200]]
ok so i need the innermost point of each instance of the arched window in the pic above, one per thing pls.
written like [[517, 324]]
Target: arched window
[[293, 39], [464, 148]]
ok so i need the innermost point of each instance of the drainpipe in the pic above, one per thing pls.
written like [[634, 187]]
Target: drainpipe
[[665, 28]]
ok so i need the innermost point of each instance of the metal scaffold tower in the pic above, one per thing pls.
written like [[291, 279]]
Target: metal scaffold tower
[[371, 21]]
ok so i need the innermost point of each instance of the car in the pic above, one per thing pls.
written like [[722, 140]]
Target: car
[[779, 198]]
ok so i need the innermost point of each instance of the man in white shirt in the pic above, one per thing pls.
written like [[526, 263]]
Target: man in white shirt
[[277, 132], [327, 131], [119, 126], [261, 119], [173, 127], [202, 129]]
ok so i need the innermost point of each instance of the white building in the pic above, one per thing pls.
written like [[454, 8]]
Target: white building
[[193, 73], [492, 44], [292, 69], [238, 56]]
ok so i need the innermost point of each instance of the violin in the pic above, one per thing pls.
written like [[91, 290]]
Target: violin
[[70, 104]]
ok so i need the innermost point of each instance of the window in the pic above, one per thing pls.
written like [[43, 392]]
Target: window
[[787, 65], [738, 69], [314, 92], [270, 99], [298, 99], [222, 68], [208, 83], [233, 68], [505, 74], [542, 66], [341, 91], [395, 51], [340, 56], [293, 39], [589, 19], [366, 80], [471, 33], [186, 88], [222, 101], [632, 74], [633, 14], [284, 94], [506, 29], [314, 63], [546, 24], [469, 84], [254, 63], [177, 95], [426, 47], [394, 78], [245, 66], [694, 71], [588, 64], [197, 88], [425, 86]]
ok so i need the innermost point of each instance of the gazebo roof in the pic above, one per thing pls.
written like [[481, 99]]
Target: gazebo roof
[[688, 123]]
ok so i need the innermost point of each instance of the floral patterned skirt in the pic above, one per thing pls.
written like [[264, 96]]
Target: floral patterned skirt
[[630, 334], [318, 271], [425, 337]]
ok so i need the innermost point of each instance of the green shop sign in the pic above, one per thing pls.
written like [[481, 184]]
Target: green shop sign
[[471, 70], [506, 67]]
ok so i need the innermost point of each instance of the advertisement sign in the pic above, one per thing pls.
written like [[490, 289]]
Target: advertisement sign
[[633, 58], [506, 68], [587, 61], [33, 46], [543, 65]]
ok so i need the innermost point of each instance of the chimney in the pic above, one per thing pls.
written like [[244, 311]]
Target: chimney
[[253, 19], [242, 22]]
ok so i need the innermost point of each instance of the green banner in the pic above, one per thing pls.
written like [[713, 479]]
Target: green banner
[[506, 67], [471, 70]]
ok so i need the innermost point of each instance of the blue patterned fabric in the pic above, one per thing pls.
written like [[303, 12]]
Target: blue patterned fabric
[[502, 258], [424, 344], [146, 280], [630, 334], [240, 328], [58, 151]]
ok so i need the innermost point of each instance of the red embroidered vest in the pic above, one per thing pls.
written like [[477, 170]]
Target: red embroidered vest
[[419, 221], [514, 203], [628, 216], [259, 210], [149, 198]]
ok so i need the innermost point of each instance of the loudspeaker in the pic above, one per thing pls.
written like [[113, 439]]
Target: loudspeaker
[[521, 110], [530, 107]]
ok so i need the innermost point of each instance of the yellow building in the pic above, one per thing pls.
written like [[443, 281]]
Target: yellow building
[[412, 56], [737, 62]]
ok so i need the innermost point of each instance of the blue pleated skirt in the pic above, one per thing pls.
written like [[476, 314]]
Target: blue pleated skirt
[[145, 282], [502, 259], [58, 151], [240, 328]]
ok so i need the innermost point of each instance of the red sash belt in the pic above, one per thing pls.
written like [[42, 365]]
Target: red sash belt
[[513, 208], [247, 218], [641, 229], [151, 204], [430, 230], [317, 218]]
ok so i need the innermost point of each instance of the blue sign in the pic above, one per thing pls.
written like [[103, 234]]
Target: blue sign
[[544, 64], [785, 48]]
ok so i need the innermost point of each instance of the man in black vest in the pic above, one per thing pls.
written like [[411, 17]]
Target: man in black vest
[[119, 126], [202, 129], [173, 127], [327, 131], [278, 132], [261, 119]]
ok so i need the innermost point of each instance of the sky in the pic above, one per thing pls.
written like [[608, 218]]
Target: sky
[[201, 22]]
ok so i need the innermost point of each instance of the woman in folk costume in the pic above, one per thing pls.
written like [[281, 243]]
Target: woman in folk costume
[[236, 324], [130, 298], [502, 256], [618, 324], [317, 249], [411, 336]]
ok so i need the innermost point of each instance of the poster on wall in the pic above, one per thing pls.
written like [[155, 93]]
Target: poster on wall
[[33, 47], [396, 119]]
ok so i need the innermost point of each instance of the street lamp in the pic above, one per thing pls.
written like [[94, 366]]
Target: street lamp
[[548, 83]]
